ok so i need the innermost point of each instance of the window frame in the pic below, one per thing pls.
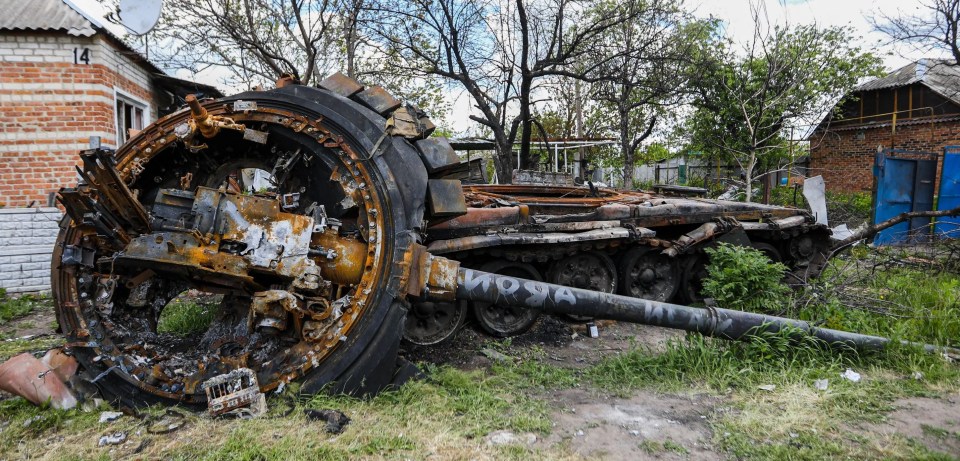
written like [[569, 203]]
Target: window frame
[[133, 101]]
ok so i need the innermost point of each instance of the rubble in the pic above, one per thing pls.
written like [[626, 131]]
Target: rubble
[[115, 438]]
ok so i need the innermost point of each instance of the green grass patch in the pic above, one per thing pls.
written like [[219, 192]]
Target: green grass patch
[[183, 318], [12, 347], [15, 307]]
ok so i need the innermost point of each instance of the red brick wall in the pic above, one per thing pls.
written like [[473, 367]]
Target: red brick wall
[[846, 162], [50, 106]]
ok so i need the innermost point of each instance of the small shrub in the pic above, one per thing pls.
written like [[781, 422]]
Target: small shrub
[[745, 279]]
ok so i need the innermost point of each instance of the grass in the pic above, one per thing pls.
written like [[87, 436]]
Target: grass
[[12, 347], [445, 416], [15, 307], [653, 447], [184, 317]]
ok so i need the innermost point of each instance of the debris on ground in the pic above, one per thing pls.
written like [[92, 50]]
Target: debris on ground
[[592, 330], [335, 419], [236, 393], [166, 423], [504, 437], [40, 380], [115, 438], [850, 375], [109, 416], [767, 387], [496, 356], [821, 384], [918, 376]]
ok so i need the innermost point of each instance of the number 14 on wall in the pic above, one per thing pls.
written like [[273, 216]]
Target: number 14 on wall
[[81, 55]]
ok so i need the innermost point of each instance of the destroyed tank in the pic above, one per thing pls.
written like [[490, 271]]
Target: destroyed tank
[[637, 244], [331, 225]]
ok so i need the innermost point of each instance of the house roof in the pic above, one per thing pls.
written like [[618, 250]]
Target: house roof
[[46, 15], [64, 16], [940, 76]]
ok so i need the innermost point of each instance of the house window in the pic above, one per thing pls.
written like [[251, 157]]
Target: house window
[[131, 116]]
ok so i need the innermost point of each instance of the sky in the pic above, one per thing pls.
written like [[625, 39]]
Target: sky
[[736, 17]]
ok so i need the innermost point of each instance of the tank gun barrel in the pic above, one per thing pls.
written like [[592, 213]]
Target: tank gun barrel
[[474, 285]]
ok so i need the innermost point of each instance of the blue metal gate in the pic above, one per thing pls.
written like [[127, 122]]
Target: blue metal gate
[[949, 196], [905, 182]]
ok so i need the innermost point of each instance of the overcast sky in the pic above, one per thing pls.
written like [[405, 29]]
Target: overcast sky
[[738, 23]]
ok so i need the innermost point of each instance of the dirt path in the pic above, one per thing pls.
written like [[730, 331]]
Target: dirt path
[[646, 425], [933, 422]]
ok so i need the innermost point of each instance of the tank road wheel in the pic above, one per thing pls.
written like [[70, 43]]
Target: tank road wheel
[[505, 321], [649, 274], [430, 323], [328, 315], [694, 271], [770, 251], [591, 270]]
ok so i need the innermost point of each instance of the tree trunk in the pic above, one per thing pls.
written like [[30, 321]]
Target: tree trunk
[[526, 157], [626, 147], [503, 162], [751, 164]]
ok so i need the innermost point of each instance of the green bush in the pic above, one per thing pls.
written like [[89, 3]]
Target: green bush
[[745, 279]]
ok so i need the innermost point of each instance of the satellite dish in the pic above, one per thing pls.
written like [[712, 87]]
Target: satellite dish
[[140, 16]]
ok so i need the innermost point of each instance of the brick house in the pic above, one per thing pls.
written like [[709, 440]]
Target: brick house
[[914, 108], [66, 82]]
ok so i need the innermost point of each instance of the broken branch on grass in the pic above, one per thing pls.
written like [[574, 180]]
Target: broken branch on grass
[[870, 231]]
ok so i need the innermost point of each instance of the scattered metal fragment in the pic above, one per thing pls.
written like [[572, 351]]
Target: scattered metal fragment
[[115, 438], [497, 356], [166, 423], [36, 381], [235, 393], [109, 416], [335, 419], [592, 330]]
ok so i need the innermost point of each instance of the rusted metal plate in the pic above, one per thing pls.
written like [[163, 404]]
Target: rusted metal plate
[[445, 198], [341, 84], [378, 99], [437, 154]]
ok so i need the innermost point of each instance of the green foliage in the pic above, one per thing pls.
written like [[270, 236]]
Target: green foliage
[[789, 77], [184, 318], [745, 279], [13, 307]]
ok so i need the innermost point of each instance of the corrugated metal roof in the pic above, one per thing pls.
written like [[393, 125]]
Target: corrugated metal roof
[[44, 15], [940, 76]]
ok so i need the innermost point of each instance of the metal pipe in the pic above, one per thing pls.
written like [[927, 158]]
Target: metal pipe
[[474, 285]]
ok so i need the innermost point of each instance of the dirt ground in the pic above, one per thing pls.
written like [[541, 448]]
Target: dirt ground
[[594, 424]]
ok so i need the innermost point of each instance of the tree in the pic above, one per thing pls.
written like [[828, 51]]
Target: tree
[[648, 74], [253, 42], [785, 77], [935, 28], [498, 52]]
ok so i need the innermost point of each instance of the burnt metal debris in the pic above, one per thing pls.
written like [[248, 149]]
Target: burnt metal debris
[[332, 226]]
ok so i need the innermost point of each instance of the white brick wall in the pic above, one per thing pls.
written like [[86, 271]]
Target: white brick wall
[[27, 236]]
